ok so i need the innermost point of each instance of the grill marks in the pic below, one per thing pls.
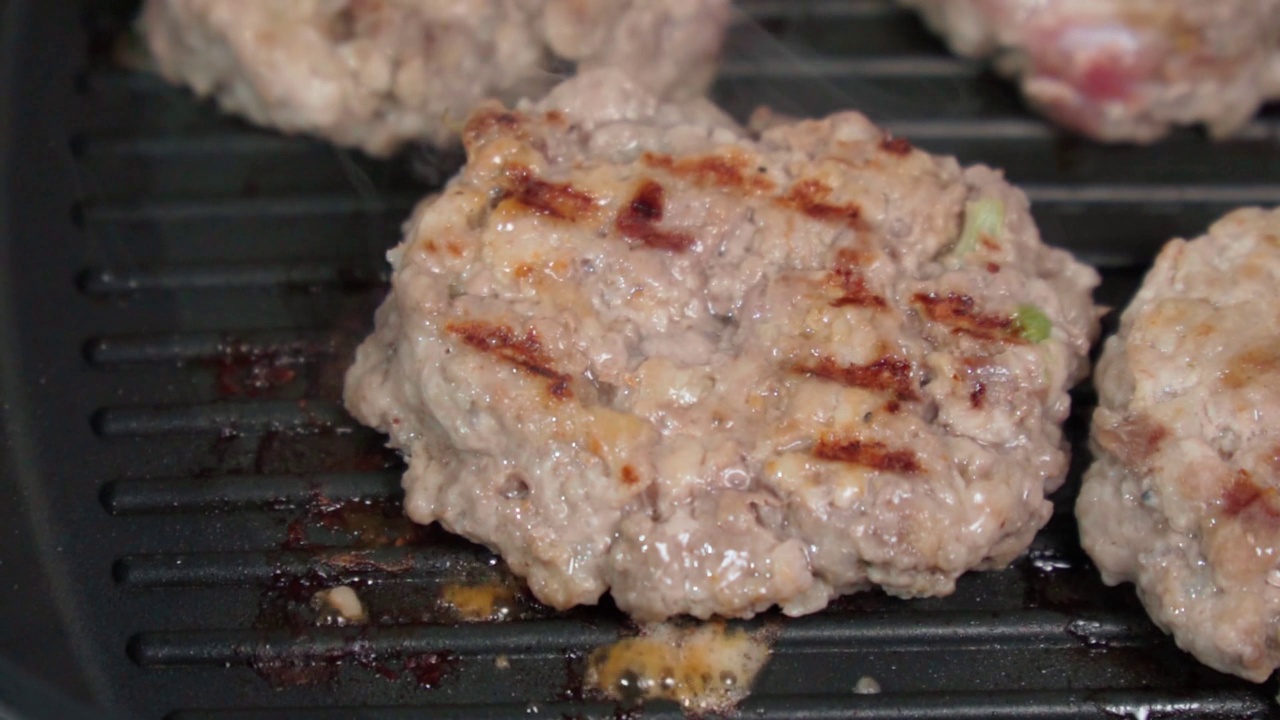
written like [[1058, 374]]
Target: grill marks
[[735, 172], [867, 453], [895, 146], [978, 395], [809, 197], [1252, 365], [1136, 438], [1244, 494], [638, 220], [979, 372], [960, 312], [730, 171], [629, 476], [558, 200], [491, 121], [856, 292], [889, 374], [848, 277], [525, 352]]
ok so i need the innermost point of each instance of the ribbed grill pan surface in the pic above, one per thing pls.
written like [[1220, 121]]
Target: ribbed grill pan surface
[[181, 295]]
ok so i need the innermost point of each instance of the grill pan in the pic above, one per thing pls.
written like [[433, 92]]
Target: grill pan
[[179, 294]]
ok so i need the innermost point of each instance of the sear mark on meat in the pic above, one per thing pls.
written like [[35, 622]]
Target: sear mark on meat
[[639, 220], [888, 374], [525, 352], [978, 395], [867, 453], [960, 312], [729, 171], [1244, 494], [558, 200], [848, 277]]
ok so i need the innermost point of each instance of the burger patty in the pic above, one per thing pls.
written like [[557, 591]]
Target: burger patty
[[635, 347], [1125, 70], [1181, 499], [376, 74]]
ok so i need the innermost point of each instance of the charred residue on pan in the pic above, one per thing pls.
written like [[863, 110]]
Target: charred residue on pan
[[347, 280], [290, 599], [575, 669], [320, 449], [280, 453], [310, 370], [254, 375], [369, 546], [288, 602], [811, 197], [365, 542], [426, 670], [895, 145], [244, 369], [336, 542], [289, 672], [359, 523]]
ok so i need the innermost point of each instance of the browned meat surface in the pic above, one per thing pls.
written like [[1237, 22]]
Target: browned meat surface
[[376, 74], [634, 347], [1182, 497], [1125, 70]]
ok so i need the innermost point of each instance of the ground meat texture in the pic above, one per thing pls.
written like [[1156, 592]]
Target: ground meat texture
[[1181, 499], [635, 347], [1125, 70], [376, 74]]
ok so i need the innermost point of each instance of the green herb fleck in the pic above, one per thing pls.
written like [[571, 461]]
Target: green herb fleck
[[1032, 324], [981, 217]]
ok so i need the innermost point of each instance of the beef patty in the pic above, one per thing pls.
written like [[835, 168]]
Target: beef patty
[[1125, 70], [1182, 499], [633, 346], [376, 74]]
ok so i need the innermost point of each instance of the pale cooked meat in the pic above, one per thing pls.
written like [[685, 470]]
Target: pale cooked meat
[[376, 74], [1125, 70], [1182, 499], [635, 347]]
